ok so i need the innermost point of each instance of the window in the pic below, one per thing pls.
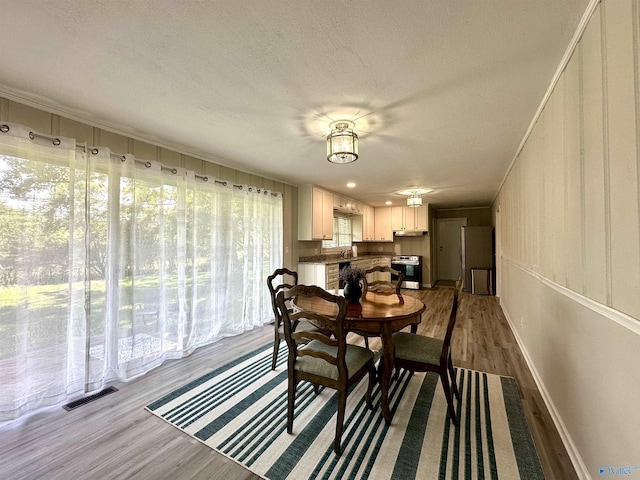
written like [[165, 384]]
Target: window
[[110, 265], [342, 233]]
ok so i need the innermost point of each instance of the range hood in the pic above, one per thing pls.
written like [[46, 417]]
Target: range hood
[[410, 233]]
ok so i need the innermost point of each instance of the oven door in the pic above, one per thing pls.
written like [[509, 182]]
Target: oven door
[[412, 275], [400, 268]]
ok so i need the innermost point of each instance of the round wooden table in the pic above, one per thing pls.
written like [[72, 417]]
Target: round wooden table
[[375, 315]]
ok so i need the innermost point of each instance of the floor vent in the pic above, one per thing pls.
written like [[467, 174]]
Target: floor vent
[[83, 401]]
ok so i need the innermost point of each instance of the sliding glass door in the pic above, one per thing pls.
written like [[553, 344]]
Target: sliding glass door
[[109, 265]]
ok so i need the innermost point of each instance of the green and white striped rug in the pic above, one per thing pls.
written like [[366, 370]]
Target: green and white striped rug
[[240, 411]]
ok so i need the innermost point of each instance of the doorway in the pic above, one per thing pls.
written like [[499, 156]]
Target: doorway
[[448, 241]]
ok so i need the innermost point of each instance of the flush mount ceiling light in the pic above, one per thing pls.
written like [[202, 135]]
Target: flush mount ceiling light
[[342, 143], [414, 195], [414, 200]]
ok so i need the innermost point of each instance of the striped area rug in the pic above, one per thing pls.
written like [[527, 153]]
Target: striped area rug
[[240, 411]]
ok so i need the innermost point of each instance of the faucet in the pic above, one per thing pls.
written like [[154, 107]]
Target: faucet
[[344, 253]]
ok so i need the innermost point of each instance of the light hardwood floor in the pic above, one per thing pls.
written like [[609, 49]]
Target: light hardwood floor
[[115, 438]]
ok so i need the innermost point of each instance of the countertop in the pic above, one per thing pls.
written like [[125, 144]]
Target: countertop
[[332, 259]]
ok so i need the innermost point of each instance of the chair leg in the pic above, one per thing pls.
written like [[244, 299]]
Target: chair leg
[[291, 398], [342, 405], [276, 348], [366, 342], [453, 378], [444, 378]]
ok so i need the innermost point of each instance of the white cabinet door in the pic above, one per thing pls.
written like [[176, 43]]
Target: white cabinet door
[[306, 273], [368, 224], [409, 218], [327, 215], [383, 231], [420, 218], [315, 213], [398, 218]]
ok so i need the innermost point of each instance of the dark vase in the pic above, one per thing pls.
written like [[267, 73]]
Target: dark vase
[[353, 291]]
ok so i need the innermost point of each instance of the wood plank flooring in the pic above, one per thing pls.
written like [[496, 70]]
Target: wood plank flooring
[[115, 438]]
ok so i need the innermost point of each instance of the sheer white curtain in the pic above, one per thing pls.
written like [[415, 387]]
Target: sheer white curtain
[[157, 262], [42, 269]]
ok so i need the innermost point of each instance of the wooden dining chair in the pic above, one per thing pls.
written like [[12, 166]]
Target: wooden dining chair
[[320, 359], [419, 353], [384, 287], [289, 279]]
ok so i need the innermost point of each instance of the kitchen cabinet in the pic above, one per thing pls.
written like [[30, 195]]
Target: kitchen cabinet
[[323, 275], [421, 217], [346, 204], [364, 264], [362, 226], [315, 213], [409, 218], [368, 224], [380, 276], [382, 229], [398, 218]]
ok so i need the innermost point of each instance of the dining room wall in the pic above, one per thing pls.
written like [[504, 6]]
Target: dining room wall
[[567, 219]]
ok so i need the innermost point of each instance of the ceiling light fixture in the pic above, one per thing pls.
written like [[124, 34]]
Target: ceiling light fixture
[[342, 143], [414, 195], [414, 200]]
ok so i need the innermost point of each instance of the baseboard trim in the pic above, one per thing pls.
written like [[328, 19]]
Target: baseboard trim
[[572, 450]]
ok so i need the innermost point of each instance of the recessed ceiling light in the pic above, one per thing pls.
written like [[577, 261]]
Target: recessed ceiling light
[[351, 184], [388, 202]]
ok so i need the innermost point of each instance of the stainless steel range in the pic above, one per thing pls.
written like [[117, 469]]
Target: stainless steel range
[[411, 266]]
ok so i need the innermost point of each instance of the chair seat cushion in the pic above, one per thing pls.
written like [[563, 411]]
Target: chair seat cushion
[[356, 357], [417, 348]]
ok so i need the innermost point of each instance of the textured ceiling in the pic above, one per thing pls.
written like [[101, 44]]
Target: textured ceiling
[[441, 91]]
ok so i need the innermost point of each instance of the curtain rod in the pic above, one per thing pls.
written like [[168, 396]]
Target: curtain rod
[[4, 128], [174, 170]]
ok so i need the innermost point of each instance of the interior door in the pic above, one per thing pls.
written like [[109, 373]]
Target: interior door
[[448, 241]]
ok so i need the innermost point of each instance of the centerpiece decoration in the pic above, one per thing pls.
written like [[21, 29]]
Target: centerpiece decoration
[[352, 278]]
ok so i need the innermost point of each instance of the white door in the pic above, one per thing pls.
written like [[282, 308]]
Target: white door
[[448, 241]]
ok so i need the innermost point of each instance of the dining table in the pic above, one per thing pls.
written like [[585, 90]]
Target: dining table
[[375, 315]]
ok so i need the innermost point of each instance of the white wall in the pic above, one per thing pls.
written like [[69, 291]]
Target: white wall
[[570, 238]]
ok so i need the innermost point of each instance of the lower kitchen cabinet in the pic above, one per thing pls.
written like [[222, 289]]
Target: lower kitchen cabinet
[[322, 275]]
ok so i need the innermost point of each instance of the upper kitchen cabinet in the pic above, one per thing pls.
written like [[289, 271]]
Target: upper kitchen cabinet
[[409, 218], [363, 225], [368, 224], [315, 213], [383, 231], [346, 205], [421, 215]]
